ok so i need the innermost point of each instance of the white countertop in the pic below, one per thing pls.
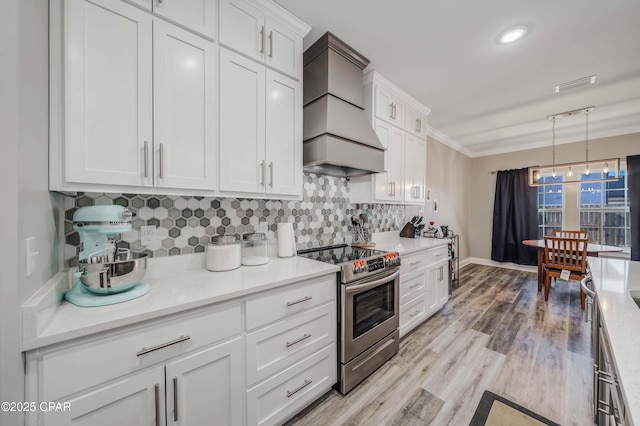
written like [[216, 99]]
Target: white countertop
[[391, 241], [613, 279], [178, 283]]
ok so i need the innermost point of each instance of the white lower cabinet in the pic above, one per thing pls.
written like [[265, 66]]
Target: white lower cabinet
[[232, 363], [424, 286]]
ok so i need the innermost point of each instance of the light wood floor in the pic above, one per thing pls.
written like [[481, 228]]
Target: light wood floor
[[497, 334]]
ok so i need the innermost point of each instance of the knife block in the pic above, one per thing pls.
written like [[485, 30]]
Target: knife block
[[408, 231]]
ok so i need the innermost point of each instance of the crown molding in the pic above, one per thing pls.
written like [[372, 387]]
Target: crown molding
[[282, 15], [442, 138]]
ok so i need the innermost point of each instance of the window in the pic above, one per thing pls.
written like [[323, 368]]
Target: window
[[549, 207], [604, 210], [600, 208]]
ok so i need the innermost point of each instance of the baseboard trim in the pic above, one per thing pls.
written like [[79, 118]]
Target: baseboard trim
[[506, 265]]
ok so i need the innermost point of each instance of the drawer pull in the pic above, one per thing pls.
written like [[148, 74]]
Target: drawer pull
[[298, 340], [299, 388], [439, 254], [415, 285], [414, 314], [180, 339], [304, 299], [157, 402], [415, 263]]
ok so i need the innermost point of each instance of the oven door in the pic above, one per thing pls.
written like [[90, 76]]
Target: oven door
[[370, 312]]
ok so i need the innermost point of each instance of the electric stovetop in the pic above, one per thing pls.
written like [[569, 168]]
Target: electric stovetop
[[339, 253]]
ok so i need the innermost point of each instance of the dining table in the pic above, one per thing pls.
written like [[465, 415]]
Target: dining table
[[592, 250]]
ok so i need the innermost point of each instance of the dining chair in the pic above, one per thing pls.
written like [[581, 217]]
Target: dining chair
[[564, 254], [563, 233]]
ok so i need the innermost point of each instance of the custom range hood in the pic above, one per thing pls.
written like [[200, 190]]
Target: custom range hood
[[338, 138]]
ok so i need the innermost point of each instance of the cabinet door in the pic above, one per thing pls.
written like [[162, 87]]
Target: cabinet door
[[242, 128], [388, 185], [107, 87], [283, 134], [283, 49], [442, 286], [415, 151], [185, 74], [242, 28], [433, 280], [136, 400], [197, 15], [389, 107], [207, 387], [415, 122]]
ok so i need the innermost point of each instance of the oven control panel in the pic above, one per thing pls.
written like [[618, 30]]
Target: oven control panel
[[388, 260], [392, 259]]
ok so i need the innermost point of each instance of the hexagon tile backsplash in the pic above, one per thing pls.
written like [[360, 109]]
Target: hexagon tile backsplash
[[186, 224]]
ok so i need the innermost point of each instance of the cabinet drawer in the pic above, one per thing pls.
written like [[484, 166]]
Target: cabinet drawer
[[280, 397], [286, 342], [437, 254], [112, 355], [278, 304], [412, 286], [413, 261], [412, 314]]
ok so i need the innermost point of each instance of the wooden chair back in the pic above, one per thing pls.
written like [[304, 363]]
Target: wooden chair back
[[565, 253], [563, 233]]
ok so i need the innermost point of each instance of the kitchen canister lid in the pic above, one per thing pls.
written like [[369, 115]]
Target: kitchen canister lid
[[254, 236], [223, 239]]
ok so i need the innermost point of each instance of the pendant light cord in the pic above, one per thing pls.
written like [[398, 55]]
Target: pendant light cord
[[586, 113], [553, 143]]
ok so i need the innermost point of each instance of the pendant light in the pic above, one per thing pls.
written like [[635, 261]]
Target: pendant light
[[592, 171]]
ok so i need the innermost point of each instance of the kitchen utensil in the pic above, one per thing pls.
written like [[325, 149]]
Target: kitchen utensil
[[112, 277], [413, 220], [255, 249], [224, 253], [418, 221], [286, 240], [408, 231]]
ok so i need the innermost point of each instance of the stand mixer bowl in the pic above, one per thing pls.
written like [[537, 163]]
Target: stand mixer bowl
[[113, 277]]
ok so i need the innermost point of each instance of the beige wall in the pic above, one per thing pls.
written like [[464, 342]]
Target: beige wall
[[448, 174], [482, 182]]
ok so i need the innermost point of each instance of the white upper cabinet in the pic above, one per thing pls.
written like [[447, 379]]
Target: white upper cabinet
[[196, 15], [415, 122], [107, 92], [260, 129], [136, 97], [251, 32], [283, 134], [388, 185], [185, 68], [415, 159], [388, 106]]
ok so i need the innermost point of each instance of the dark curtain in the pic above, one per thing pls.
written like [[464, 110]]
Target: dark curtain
[[633, 181], [515, 218]]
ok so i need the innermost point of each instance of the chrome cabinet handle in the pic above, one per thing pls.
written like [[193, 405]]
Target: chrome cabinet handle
[[161, 161], [439, 254], [270, 44], [394, 188], [271, 174], [417, 124], [304, 299], [175, 399], [298, 340], [414, 314], [395, 110], [415, 263], [415, 285], [391, 110], [262, 41], [146, 159], [180, 339], [390, 189], [299, 388], [263, 172], [157, 400]]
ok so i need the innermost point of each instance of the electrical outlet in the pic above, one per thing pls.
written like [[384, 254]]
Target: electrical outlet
[[147, 235]]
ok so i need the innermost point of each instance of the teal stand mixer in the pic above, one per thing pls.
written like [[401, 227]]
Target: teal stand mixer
[[106, 274]]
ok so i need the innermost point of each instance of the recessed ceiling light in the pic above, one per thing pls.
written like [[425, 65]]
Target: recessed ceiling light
[[512, 34]]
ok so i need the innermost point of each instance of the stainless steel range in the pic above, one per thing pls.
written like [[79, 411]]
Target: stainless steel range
[[368, 309]]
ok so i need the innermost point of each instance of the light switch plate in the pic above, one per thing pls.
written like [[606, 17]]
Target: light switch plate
[[30, 256]]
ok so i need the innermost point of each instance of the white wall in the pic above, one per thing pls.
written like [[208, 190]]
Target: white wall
[[27, 208], [11, 388]]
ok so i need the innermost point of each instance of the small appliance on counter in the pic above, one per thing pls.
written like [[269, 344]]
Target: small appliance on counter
[[224, 253], [107, 274]]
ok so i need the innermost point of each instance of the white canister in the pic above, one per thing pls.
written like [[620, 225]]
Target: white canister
[[255, 249], [224, 253]]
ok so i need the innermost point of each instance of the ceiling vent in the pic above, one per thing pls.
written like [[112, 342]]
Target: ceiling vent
[[581, 82]]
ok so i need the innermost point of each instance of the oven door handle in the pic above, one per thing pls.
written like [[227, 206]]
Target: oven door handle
[[369, 285]]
